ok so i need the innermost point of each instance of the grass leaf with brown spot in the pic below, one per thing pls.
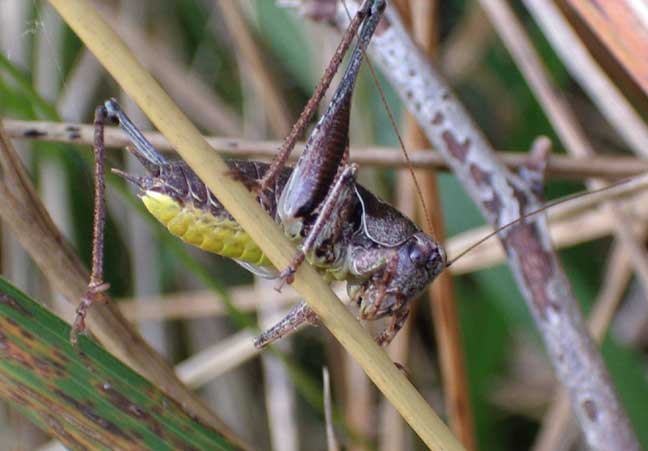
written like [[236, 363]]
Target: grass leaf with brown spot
[[81, 394]]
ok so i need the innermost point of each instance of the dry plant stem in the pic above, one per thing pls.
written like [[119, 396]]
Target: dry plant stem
[[562, 119], [279, 389], [623, 26], [276, 110], [331, 440], [22, 210], [617, 277], [558, 431], [582, 66], [358, 403], [116, 57], [528, 61], [404, 9], [466, 46], [441, 292], [557, 166], [579, 228], [201, 303], [502, 197], [206, 365]]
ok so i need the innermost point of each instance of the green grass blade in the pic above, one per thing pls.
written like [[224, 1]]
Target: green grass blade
[[82, 395]]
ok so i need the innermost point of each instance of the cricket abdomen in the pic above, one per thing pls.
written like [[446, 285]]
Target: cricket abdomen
[[199, 227]]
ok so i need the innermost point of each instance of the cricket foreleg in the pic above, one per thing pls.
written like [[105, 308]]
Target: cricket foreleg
[[372, 309], [301, 314], [97, 286], [396, 323], [327, 216]]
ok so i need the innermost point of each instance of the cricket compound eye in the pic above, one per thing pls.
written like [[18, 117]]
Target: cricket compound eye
[[426, 253], [418, 253]]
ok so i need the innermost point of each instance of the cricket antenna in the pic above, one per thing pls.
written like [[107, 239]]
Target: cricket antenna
[[390, 115], [624, 186]]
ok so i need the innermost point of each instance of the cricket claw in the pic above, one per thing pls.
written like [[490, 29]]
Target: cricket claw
[[93, 294], [287, 276]]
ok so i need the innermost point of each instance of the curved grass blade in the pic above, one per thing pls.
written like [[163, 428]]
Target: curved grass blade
[[81, 394]]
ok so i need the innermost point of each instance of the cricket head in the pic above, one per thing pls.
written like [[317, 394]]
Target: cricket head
[[407, 270]]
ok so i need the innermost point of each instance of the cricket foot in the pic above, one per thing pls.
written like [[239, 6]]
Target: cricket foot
[[93, 294]]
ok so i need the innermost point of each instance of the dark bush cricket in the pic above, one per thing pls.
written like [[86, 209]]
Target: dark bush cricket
[[343, 229], [340, 228]]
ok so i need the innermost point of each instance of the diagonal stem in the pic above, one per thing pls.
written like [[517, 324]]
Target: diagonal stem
[[161, 110]]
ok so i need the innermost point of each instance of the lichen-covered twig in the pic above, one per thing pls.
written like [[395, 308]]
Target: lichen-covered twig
[[502, 197]]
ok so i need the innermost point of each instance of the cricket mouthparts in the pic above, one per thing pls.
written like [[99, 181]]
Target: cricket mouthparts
[[134, 179]]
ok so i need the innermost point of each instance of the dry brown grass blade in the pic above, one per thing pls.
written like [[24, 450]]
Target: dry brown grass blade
[[331, 440], [23, 211], [198, 303], [584, 68], [571, 223], [623, 26], [467, 45]]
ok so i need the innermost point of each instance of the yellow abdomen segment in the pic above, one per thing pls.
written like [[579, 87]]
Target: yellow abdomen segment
[[202, 229]]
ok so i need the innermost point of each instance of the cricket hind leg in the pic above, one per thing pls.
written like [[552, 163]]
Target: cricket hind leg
[[299, 315], [96, 287], [279, 162]]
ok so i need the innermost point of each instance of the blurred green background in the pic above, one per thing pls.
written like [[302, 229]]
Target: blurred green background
[[46, 74]]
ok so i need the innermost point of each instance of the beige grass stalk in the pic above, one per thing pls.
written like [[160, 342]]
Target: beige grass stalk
[[558, 166], [120, 62]]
